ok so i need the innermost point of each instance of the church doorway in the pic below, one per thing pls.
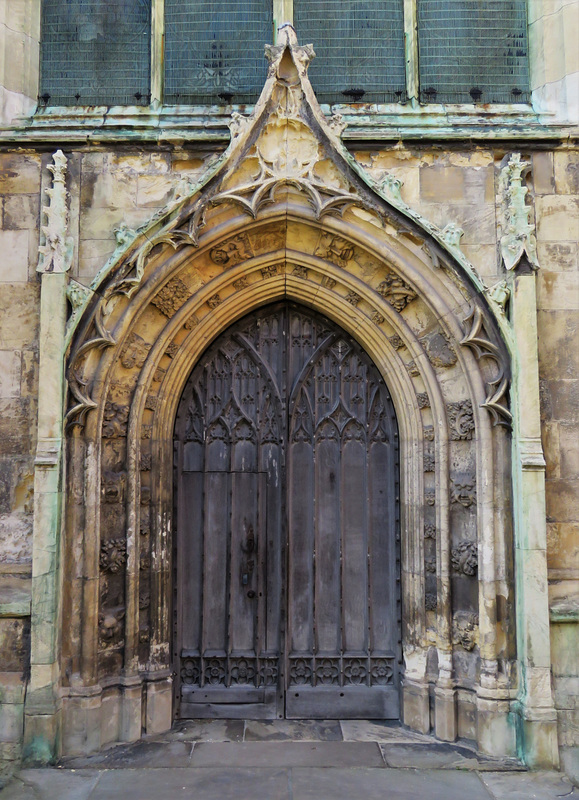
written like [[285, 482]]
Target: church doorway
[[286, 559]]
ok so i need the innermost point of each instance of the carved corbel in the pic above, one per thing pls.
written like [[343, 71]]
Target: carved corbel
[[518, 235], [55, 255]]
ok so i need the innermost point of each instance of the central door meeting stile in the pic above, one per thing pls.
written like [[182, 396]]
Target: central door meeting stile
[[286, 549]]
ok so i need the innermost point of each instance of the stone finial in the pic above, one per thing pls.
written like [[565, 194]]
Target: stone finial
[[518, 234], [55, 255]]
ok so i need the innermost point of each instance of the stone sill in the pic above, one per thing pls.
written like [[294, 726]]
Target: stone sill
[[209, 123], [566, 611], [15, 594]]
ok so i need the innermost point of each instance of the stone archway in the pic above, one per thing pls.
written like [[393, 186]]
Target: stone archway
[[286, 214]]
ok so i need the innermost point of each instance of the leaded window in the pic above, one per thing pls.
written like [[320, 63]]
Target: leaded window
[[210, 52], [214, 50], [95, 52], [473, 51], [359, 47]]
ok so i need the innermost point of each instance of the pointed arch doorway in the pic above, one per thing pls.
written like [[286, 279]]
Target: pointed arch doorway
[[286, 563]]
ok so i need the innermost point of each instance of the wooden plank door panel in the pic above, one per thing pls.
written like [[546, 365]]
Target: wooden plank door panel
[[286, 556]]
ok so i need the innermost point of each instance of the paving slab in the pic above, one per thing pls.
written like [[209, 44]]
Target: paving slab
[[144, 755], [306, 730], [439, 755], [205, 730], [288, 754], [529, 786], [385, 784], [189, 784], [363, 730], [51, 784]]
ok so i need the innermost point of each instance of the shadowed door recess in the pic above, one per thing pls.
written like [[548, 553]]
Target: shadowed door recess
[[286, 553]]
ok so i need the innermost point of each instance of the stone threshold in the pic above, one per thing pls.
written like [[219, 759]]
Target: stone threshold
[[229, 744]]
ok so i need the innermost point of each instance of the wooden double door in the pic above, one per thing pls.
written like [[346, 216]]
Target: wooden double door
[[286, 556]]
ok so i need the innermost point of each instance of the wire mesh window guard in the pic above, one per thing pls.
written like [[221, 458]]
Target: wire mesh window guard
[[95, 52], [473, 51], [359, 47], [214, 50]]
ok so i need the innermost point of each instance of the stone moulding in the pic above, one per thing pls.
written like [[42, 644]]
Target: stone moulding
[[296, 230]]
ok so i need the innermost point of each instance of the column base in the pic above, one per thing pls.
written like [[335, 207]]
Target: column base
[[445, 715], [159, 716], [496, 728], [416, 706], [538, 744]]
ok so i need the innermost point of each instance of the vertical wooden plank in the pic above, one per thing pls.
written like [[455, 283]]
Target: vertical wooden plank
[[270, 526], [354, 540], [327, 539], [382, 548], [216, 561], [244, 562], [301, 547], [190, 561]]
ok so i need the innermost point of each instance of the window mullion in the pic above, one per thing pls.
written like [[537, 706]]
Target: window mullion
[[283, 11], [157, 50], [411, 49]]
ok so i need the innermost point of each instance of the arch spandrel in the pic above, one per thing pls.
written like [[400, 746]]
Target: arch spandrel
[[287, 213]]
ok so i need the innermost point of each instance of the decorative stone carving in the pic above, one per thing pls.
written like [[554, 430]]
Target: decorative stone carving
[[428, 433], [240, 283], [439, 349], [172, 349], [135, 352], [478, 340], [396, 291], [500, 295], [430, 601], [113, 486], [412, 369], [232, 252], [299, 271], [271, 271], [396, 342], [429, 531], [56, 254], [452, 234], [464, 558], [328, 282], [151, 402], [353, 298], [171, 297], [113, 555], [423, 400], [377, 318], [214, 301], [78, 297], [463, 491], [518, 236], [430, 564], [124, 236], [461, 420], [111, 628], [465, 629], [335, 249], [430, 497], [116, 418], [146, 431], [390, 186], [191, 323], [146, 462], [429, 462]]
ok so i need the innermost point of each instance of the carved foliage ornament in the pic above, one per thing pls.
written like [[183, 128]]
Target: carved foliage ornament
[[518, 235], [464, 558], [465, 629], [461, 420], [55, 255], [478, 340]]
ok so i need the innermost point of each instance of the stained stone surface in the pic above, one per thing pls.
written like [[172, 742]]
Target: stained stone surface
[[294, 730], [229, 782]]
